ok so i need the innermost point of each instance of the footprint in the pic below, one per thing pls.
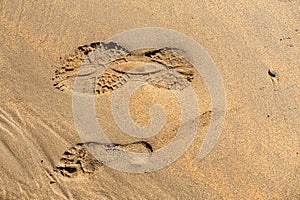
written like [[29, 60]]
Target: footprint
[[90, 59], [160, 67], [77, 160]]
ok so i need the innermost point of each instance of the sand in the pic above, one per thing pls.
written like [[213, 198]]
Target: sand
[[257, 155]]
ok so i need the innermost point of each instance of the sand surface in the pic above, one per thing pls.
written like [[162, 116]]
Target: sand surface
[[257, 155]]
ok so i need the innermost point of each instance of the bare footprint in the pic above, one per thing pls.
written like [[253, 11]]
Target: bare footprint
[[77, 160]]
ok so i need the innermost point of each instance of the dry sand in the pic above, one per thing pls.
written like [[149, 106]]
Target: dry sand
[[258, 153]]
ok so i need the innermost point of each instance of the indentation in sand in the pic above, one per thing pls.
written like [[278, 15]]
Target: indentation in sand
[[77, 160], [160, 67]]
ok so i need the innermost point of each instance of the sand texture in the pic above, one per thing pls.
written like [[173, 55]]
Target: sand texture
[[255, 45]]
